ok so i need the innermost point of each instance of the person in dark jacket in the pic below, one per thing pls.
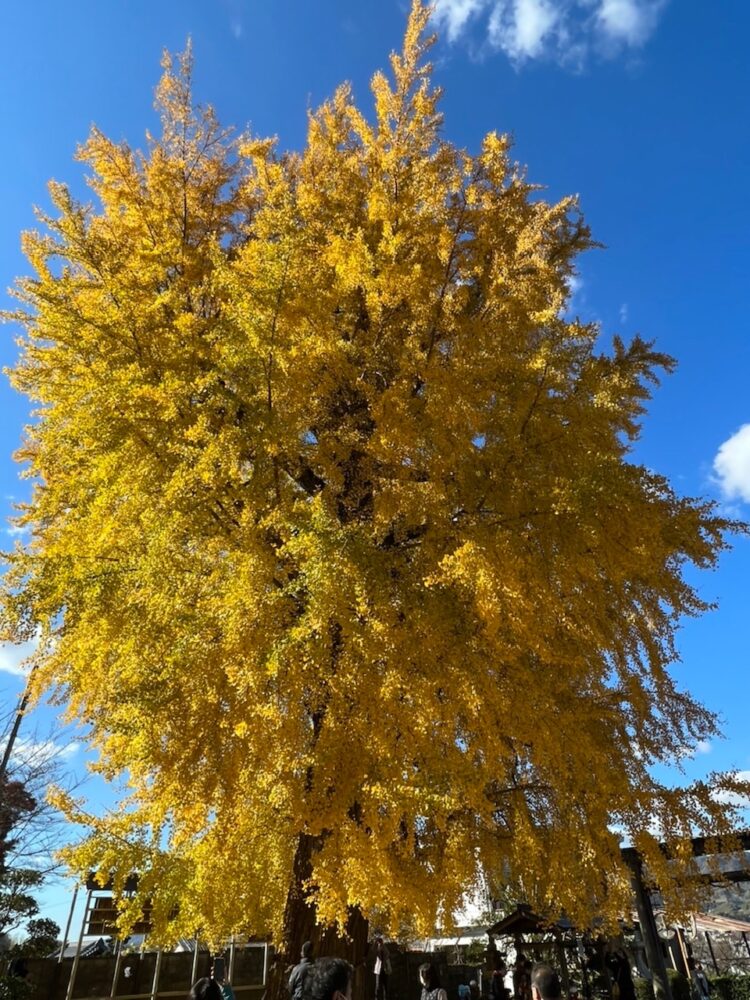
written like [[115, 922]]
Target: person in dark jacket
[[329, 979], [497, 983], [205, 989], [300, 972], [619, 970]]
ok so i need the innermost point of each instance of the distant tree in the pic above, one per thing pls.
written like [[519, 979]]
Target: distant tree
[[17, 902], [41, 938], [16, 802], [337, 545]]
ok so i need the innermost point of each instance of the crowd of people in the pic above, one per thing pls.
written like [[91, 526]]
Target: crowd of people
[[331, 979]]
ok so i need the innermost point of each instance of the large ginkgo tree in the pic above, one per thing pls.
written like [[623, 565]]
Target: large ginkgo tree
[[337, 545]]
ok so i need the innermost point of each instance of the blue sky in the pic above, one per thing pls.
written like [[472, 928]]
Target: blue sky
[[639, 106]]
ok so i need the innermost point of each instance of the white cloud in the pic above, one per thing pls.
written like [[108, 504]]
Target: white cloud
[[732, 465], [26, 750], [522, 27], [631, 22], [703, 746], [624, 313], [565, 30], [576, 296], [17, 530], [454, 15], [732, 798], [12, 657]]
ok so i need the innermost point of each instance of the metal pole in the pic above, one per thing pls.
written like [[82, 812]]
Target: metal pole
[[711, 949], [77, 958], [265, 964], [64, 944], [194, 972], [157, 970], [22, 705], [231, 959]]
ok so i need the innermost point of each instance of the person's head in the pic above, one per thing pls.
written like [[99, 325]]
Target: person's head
[[698, 967], [545, 983], [307, 949], [329, 979], [206, 989], [428, 976]]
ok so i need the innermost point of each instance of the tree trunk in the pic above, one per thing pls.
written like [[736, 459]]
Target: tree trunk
[[300, 925]]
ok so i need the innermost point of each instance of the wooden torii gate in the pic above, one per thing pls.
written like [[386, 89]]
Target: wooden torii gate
[[733, 869]]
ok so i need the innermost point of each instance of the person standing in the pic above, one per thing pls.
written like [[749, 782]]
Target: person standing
[[301, 971], [619, 970], [382, 969], [218, 973], [522, 978], [497, 983], [701, 980], [430, 980]]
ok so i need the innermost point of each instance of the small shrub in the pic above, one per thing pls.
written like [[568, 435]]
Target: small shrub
[[643, 989], [14, 988], [730, 987], [679, 985]]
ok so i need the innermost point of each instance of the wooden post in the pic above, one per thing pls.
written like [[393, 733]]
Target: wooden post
[[563, 967], [685, 970], [157, 971], [77, 958], [116, 974], [651, 939], [66, 935]]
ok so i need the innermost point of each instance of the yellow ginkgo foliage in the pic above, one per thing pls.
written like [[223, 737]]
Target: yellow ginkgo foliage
[[335, 545]]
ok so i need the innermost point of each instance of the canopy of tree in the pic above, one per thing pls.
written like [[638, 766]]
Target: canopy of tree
[[17, 881], [337, 545]]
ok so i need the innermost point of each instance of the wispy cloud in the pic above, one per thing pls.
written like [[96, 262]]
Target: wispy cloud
[[13, 657], [732, 465], [17, 530], [455, 15], [30, 751], [733, 798], [568, 31]]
